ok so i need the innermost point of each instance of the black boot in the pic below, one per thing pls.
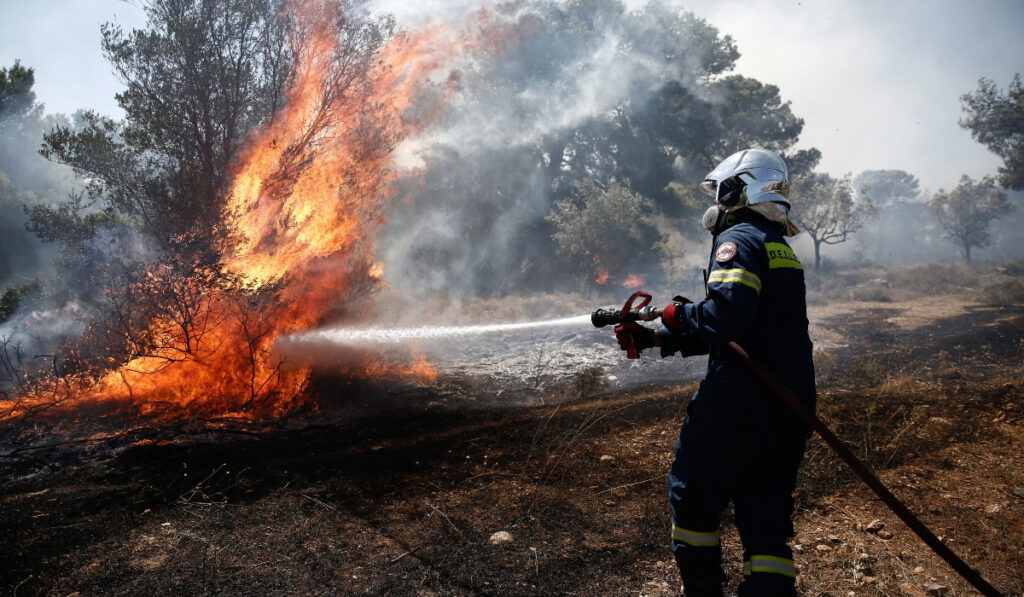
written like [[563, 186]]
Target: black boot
[[701, 581]]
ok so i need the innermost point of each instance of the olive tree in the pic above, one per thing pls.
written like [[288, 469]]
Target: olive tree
[[966, 212], [828, 209]]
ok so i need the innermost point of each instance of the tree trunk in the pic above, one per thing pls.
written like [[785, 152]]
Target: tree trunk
[[967, 252], [817, 254]]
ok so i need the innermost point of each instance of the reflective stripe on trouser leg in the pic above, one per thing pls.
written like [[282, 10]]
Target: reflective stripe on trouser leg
[[770, 564], [695, 538]]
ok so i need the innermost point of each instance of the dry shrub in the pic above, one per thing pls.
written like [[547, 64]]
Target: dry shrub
[[1013, 268], [824, 288], [1004, 293], [876, 330], [877, 293], [587, 381], [824, 364], [865, 372], [937, 278], [861, 284]]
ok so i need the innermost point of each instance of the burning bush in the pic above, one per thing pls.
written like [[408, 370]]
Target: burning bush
[[192, 249]]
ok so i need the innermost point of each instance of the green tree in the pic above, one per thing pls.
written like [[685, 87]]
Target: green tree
[[17, 99], [197, 79], [967, 211], [896, 194], [996, 120], [828, 210], [751, 115], [602, 226], [681, 133], [801, 162], [888, 186]]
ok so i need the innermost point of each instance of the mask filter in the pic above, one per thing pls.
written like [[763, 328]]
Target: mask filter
[[710, 219]]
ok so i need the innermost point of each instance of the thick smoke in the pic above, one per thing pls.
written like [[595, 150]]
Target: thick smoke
[[471, 220], [26, 179], [32, 324]]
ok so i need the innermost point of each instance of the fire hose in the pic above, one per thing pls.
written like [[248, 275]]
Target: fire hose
[[644, 312]]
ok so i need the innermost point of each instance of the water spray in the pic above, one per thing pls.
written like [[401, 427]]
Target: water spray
[[351, 336]]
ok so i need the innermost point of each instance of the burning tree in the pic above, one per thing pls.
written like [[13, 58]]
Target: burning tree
[[229, 206], [827, 210], [966, 212]]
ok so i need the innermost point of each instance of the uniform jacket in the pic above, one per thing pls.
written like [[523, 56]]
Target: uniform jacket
[[756, 297]]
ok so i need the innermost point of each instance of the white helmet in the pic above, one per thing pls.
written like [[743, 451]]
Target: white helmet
[[746, 178]]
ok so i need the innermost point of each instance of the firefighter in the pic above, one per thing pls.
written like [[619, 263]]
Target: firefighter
[[740, 442]]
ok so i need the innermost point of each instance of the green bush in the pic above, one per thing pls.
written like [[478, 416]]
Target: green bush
[[14, 296]]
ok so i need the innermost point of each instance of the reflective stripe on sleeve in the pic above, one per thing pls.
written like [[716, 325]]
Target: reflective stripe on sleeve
[[746, 567], [773, 564], [725, 276], [694, 538]]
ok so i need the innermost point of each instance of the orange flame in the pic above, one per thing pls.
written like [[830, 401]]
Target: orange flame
[[305, 200], [633, 281]]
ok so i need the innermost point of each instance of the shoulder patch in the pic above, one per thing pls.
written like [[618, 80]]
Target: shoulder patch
[[725, 252], [780, 255]]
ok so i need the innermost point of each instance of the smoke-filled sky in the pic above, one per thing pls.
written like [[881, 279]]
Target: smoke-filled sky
[[877, 81]]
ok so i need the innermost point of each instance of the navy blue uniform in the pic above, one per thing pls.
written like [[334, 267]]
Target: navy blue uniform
[[740, 441]]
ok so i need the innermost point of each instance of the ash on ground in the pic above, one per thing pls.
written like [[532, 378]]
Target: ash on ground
[[521, 363]]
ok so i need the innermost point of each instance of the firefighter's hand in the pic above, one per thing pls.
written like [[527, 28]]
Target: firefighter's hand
[[634, 336], [673, 317]]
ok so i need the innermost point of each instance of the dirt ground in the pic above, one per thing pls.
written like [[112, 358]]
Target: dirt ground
[[401, 492]]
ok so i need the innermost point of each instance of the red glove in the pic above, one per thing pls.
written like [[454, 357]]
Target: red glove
[[635, 338], [673, 316]]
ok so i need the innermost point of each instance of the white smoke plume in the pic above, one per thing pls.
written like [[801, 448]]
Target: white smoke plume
[[471, 219]]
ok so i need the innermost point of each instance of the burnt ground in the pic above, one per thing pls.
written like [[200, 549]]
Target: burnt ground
[[400, 491]]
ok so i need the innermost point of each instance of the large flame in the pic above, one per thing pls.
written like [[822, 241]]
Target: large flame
[[305, 201]]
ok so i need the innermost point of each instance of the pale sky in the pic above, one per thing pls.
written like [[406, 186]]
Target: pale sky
[[877, 82]]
